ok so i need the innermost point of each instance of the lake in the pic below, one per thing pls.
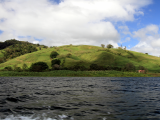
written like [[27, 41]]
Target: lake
[[79, 98]]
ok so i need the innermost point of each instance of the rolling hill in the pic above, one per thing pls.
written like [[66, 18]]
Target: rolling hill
[[86, 55]]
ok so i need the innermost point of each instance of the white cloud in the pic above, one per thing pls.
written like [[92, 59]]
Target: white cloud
[[124, 30], [148, 33], [70, 22], [149, 38]]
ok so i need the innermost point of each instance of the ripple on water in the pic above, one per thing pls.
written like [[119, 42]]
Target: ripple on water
[[96, 98]]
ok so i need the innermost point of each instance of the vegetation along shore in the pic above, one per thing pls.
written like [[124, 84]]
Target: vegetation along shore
[[21, 58]]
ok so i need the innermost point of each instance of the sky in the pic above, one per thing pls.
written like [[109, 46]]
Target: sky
[[131, 23]]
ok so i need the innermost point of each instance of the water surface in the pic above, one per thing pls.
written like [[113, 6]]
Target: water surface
[[80, 98]]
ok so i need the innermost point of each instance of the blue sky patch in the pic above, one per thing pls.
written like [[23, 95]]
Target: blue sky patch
[[21, 37], [38, 39], [1, 31], [56, 1], [2, 19]]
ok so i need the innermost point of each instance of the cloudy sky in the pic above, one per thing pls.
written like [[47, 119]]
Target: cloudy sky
[[130, 23]]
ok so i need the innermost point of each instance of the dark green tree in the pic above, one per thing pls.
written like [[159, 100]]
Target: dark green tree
[[109, 46], [53, 54], [55, 61], [38, 67], [24, 67]]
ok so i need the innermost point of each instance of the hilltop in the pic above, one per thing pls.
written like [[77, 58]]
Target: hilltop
[[85, 55]]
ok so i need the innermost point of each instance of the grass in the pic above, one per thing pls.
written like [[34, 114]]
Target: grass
[[68, 73], [85, 55]]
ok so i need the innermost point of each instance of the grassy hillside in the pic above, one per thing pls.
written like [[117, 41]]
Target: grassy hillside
[[86, 55]]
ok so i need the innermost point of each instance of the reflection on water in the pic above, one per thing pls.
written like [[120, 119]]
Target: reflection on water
[[79, 98]]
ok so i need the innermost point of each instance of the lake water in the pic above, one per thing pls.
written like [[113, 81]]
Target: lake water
[[79, 98]]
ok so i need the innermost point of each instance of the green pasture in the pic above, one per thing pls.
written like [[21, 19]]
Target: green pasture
[[86, 55]]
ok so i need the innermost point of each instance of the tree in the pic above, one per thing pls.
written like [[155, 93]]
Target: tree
[[102, 45], [38, 67], [53, 54], [25, 67], [109, 46], [55, 61]]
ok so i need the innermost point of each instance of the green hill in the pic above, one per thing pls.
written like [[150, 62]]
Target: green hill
[[86, 55]]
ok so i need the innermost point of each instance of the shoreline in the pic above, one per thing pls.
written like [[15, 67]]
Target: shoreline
[[68, 73]]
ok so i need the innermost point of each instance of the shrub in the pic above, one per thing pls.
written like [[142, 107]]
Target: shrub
[[146, 53], [100, 68], [9, 68], [108, 68], [93, 67], [130, 57], [2, 60], [53, 54], [18, 69], [56, 67], [141, 67], [69, 54], [129, 67], [117, 68], [55, 61], [64, 68], [118, 53], [78, 67], [38, 67]]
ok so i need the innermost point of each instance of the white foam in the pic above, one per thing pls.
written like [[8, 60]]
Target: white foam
[[11, 117], [61, 117]]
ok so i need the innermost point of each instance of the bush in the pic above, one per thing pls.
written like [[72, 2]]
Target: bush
[[116, 68], [55, 61], [47, 70], [108, 68], [64, 68], [18, 69], [9, 68], [101, 68], [53, 54], [129, 67], [38, 67], [119, 54], [56, 67], [69, 54], [2, 60], [141, 67], [78, 67], [93, 67]]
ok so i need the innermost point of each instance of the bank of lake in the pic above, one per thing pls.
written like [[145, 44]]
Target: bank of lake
[[69, 73]]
